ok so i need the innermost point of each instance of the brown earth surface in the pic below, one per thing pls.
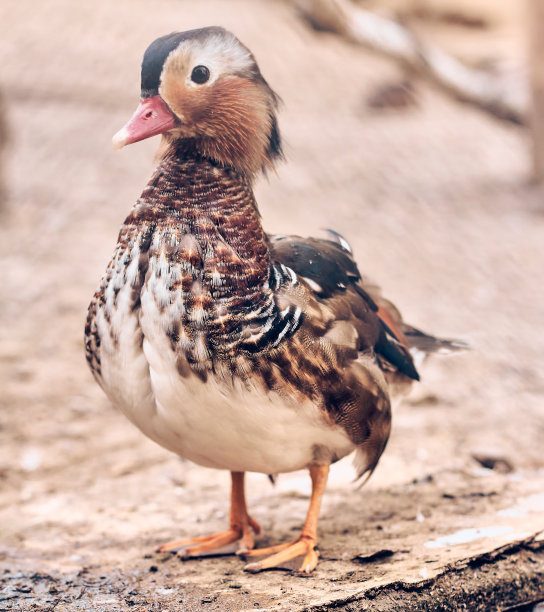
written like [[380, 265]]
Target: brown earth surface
[[435, 201]]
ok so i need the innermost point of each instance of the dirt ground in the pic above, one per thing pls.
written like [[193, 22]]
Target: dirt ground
[[435, 200]]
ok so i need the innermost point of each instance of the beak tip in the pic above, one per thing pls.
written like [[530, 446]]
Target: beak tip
[[120, 139], [152, 117]]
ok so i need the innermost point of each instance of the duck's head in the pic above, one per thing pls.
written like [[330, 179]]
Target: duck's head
[[204, 87]]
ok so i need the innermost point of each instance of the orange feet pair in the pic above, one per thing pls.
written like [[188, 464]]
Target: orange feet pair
[[242, 527]]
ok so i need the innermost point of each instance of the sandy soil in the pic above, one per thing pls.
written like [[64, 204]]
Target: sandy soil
[[433, 198]]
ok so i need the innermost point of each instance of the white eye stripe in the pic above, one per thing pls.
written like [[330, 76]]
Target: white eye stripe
[[220, 54]]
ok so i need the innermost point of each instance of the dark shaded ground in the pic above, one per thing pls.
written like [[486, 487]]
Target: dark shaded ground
[[434, 200]]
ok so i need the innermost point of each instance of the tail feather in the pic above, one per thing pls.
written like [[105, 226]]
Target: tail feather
[[421, 344]]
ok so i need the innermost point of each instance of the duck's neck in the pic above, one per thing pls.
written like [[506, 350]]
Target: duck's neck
[[206, 224]]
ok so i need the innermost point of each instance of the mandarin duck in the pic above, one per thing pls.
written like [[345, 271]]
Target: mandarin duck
[[236, 349]]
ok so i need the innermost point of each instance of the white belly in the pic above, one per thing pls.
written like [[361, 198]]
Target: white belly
[[232, 427], [239, 429]]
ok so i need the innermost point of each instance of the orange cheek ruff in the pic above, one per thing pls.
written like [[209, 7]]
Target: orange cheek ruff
[[232, 113], [189, 105], [239, 106]]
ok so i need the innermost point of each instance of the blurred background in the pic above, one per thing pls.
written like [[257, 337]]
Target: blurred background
[[427, 166]]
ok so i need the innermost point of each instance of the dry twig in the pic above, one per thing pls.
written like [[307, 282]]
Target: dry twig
[[537, 84], [487, 91]]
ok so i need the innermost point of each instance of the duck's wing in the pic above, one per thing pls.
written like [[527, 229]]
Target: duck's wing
[[331, 273]]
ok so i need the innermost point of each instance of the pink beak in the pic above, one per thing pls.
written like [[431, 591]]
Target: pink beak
[[152, 117]]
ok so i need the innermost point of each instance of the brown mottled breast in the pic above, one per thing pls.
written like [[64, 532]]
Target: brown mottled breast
[[194, 267]]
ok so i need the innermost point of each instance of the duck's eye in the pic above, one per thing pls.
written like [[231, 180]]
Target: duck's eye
[[200, 74]]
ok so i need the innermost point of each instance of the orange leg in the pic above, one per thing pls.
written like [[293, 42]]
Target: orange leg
[[306, 543], [240, 528]]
